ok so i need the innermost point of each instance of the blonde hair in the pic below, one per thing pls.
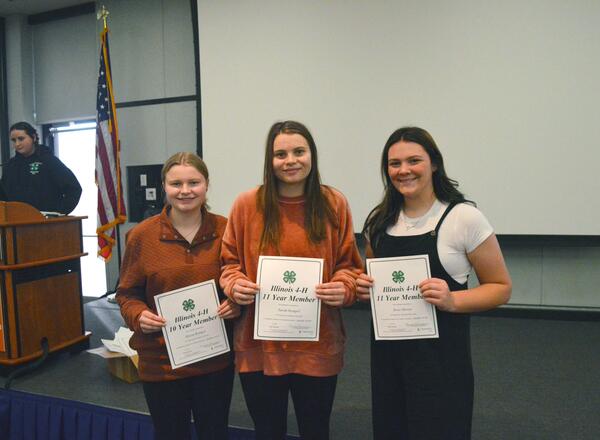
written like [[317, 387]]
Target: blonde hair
[[184, 158]]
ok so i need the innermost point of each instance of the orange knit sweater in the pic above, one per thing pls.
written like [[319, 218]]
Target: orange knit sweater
[[342, 262], [157, 259]]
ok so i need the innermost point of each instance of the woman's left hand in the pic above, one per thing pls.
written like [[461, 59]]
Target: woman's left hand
[[228, 309], [436, 291], [332, 293]]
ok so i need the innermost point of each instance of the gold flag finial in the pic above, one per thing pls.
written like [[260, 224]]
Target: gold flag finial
[[102, 15]]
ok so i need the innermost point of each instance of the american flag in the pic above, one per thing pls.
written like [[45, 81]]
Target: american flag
[[111, 207]]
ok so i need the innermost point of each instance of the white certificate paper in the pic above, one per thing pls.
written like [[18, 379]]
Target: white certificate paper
[[399, 311], [194, 331], [286, 307]]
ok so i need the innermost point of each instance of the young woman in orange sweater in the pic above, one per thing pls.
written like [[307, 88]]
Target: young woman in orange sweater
[[290, 214], [174, 249]]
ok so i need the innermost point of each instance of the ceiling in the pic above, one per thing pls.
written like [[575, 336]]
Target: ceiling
[[28, 7]]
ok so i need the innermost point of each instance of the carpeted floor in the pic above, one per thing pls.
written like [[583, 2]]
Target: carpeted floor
[[535, 379]]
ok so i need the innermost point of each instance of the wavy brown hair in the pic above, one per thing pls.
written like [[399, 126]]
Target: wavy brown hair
[[318, 207], [386, 213]]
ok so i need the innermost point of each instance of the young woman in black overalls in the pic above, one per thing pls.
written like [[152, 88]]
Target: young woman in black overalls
[[423, 388]]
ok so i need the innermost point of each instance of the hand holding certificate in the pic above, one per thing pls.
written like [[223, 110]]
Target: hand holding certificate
[[286, 306], [193, 330], [398, 308]]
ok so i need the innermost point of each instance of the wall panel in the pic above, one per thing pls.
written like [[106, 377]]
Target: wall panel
[[179, 49], [571, 277], [65, 60], [525, 266], [137, 49]]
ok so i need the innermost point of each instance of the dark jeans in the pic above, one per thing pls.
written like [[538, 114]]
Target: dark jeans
[[267, 401], [207, 397]]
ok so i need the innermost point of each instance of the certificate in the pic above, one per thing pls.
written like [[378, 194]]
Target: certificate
[[286, 308], [194, 331], [398, 308]]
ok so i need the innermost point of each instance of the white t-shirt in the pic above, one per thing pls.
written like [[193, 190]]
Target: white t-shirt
[[462, 231]]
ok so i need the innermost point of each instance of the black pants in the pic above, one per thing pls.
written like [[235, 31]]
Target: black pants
[[421, 392], [267, 401], [207, 397]]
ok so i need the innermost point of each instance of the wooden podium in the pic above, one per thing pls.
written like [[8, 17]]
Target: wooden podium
[[40, 284]]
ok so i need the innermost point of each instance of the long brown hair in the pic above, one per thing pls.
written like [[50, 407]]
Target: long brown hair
[[386, 213], [317, 206]]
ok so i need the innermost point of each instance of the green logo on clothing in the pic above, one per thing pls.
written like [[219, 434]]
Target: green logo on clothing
[[398, 276], [289, 276], [188, 305], [34, 167]]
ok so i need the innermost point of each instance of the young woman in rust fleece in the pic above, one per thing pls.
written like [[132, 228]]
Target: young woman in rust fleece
[[291, 214], [177, 248]]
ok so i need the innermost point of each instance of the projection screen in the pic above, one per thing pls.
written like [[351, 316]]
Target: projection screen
[[508, 90]]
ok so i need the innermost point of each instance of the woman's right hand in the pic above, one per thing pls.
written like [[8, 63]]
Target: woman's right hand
[[363, 285], [244, 291], [150, 323]]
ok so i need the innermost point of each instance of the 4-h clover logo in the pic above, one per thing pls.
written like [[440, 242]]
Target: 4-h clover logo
[[398, 276], [34, 167], [188, 305], [289, 276]]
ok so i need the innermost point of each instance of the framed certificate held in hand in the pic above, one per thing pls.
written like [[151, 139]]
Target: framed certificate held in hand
[[194, 331], [398, 308], [286, 308]]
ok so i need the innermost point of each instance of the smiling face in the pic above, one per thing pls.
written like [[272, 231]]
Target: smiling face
[[22, 142], [410, 170], [292, 163], [185, 188]]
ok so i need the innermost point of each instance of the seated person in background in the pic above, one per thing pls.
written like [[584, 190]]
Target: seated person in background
[[35, 176]]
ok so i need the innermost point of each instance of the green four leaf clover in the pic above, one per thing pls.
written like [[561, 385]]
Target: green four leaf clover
[[398, 276], [188, 305], [289, 276]]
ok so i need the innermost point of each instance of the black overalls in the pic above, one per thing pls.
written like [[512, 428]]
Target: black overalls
[[423, 389]]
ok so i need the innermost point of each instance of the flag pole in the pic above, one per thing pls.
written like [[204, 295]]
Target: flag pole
[[103, 15], [117, 208]]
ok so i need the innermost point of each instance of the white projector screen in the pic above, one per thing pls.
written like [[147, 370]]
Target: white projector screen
[[509, 90]]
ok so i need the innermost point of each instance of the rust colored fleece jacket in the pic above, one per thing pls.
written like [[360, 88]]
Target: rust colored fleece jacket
[[157, 259], [239, 255]]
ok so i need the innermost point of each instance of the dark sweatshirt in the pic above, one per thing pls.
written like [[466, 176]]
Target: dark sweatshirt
[[41, 180]]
